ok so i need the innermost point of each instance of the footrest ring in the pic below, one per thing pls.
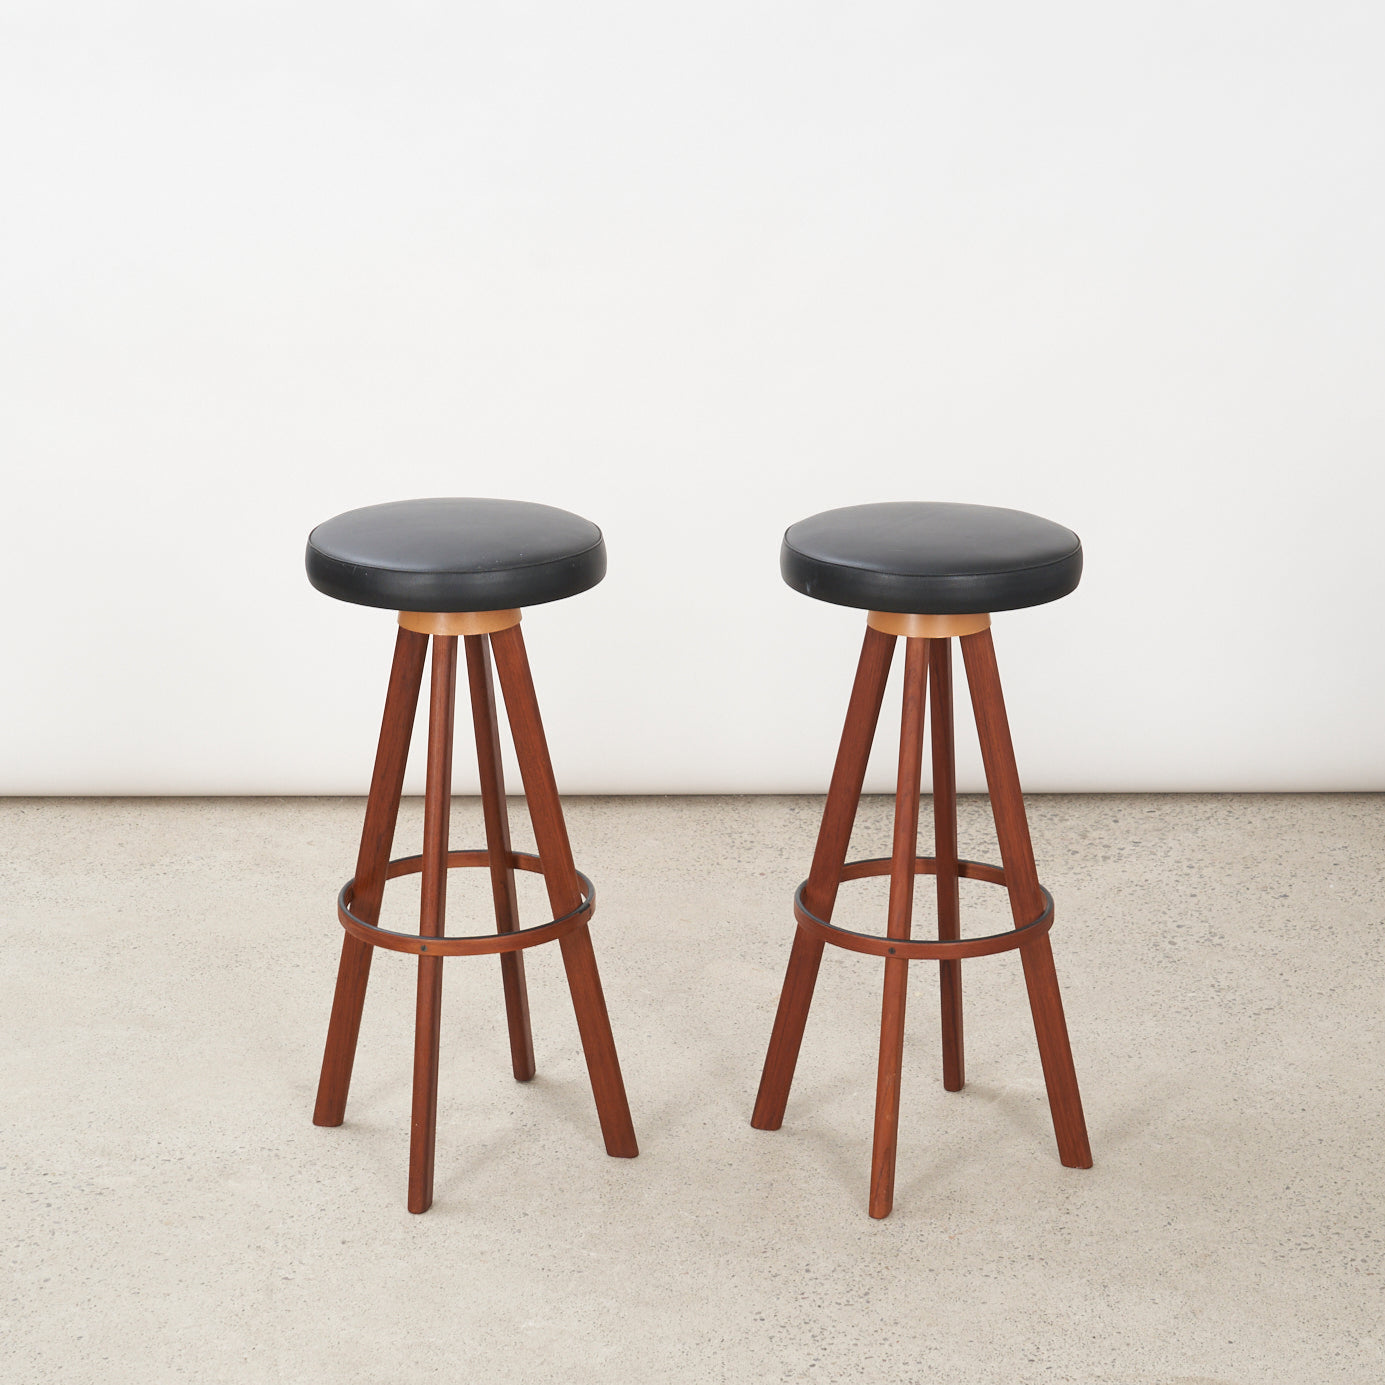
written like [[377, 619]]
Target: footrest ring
[[479, 945], [932, 950]]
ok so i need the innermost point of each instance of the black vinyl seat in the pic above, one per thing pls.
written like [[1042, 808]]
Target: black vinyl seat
[[455, 555], [930, 557]]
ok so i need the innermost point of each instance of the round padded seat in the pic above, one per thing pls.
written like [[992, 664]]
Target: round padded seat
[[931, 558], [455, 555]]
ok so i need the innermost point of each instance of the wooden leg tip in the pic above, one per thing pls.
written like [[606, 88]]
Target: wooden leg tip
[[881, 1202]]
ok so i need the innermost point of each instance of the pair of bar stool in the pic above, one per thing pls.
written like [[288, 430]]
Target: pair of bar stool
[[462, 569]]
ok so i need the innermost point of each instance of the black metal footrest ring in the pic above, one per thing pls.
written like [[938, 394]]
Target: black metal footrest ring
[[923, 950], [479, 945]]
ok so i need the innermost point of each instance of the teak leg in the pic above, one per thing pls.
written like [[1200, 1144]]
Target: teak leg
[[902, 857], [377, 836], [834, 839], [437, 806], [1026, 901], [945, 851], [564, 891], [485, 722]]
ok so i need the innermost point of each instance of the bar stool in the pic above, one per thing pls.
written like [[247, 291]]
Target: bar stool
[[926, 572], [462, 569]]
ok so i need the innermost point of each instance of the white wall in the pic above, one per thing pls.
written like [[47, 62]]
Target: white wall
[[694, 271]]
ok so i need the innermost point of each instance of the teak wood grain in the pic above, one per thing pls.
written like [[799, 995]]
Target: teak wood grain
[[904, 849], [1026, 900], [437, 809], [564, 891], [487, 728], [377, 838], [820, 894], [945, 854]]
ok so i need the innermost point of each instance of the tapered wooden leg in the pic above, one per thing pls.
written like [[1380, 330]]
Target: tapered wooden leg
[[1026, 900], [564, 891], [437, 807], [902, 858], [487, 727], [820, 894], [945, 851], [377, 837]]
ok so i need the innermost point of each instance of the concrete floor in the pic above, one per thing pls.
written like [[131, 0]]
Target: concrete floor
[[170, 1213]]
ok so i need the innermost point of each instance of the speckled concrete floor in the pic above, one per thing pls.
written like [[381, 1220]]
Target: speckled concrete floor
[[170, 1213]]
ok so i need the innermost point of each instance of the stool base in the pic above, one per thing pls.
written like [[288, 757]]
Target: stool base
[[928, 658], [570, 894]]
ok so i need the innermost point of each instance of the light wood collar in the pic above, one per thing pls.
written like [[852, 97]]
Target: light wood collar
[[921, 627], [458, 622]]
